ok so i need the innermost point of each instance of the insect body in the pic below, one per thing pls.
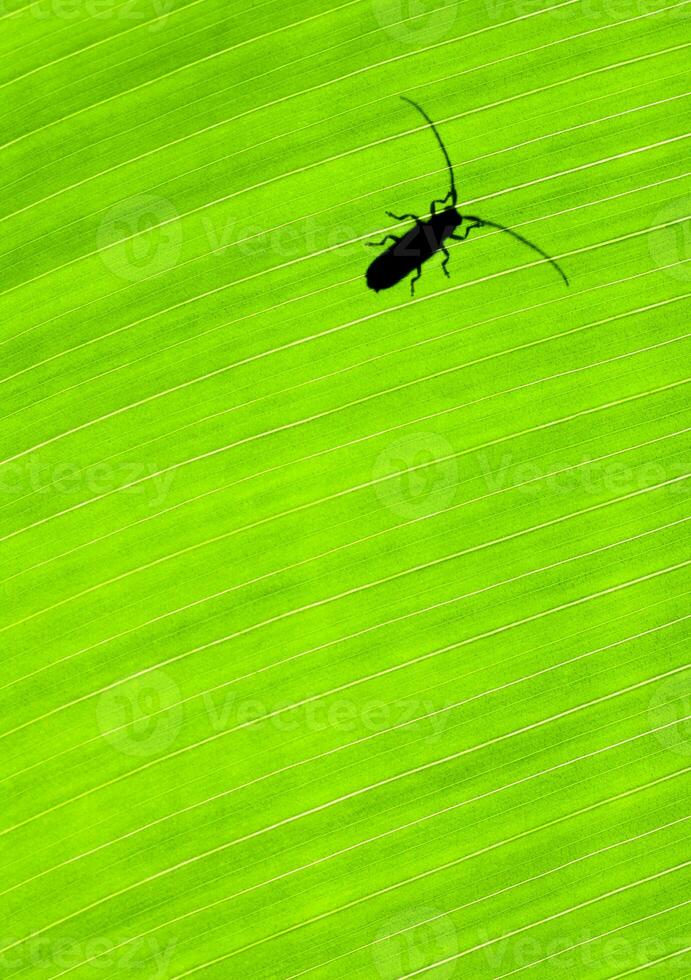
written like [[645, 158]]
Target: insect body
[[407, 254]]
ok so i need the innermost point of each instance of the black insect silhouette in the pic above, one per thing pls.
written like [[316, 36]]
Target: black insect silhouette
[[408, 253]]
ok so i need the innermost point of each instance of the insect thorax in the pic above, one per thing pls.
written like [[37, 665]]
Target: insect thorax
[[445, 222], [450, 218]]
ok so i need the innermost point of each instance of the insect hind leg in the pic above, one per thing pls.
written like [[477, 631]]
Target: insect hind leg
[[415, 279], [387, 238]]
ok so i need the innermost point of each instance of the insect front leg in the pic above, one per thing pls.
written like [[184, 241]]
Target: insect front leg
[[443, 202], [464, 234], [388, 238], [403, 217]]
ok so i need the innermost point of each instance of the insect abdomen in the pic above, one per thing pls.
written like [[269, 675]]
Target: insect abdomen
[[407, 255], [389, 269]]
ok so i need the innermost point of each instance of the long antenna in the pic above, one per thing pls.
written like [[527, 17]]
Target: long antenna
[[481, 221], [454, 195], [510, 231]]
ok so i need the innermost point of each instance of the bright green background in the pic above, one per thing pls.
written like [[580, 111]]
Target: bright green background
[[441, 543]]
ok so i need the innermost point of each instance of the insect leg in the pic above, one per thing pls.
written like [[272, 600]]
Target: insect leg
[[444, 264], [466, 231], [403, 217], [415, 279], [443, 202], [392, 238]]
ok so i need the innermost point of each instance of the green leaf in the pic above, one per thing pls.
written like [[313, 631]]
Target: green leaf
[[345, 634]]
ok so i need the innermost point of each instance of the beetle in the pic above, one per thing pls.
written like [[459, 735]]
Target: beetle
[[408, 252]]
